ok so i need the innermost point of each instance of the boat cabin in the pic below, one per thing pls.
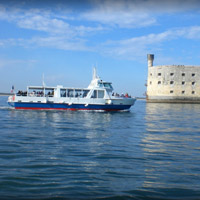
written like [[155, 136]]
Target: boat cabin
[[61, 92]]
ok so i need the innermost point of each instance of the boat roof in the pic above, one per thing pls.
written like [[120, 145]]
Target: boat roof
[[50, 88], [96, 83]]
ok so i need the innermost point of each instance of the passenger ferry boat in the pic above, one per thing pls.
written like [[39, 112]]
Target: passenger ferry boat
[[98, 96]]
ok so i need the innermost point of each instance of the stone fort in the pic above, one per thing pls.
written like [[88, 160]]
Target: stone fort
[[172, 83]]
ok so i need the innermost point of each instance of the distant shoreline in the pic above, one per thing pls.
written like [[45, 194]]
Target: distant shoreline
[[5, 94], [141, 98]]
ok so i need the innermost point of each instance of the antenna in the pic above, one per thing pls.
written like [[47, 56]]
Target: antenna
[[43, 84], [94, 73]]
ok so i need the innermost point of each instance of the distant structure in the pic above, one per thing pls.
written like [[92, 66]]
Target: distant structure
[[172, 83]]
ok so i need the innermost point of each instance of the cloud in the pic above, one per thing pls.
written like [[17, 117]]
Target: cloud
[[69, 30], [123, 14], [59, 43], [43, 23], [50, 42], [46, 21], [59, 30], [192, 33], [135, 13], [55, 26], [8, 63], [137, 47]]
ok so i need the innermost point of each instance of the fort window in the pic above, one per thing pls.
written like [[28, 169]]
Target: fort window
[[171, 74], [193, 92], [183, 82], [183, 92], [193, 83], [150, 82], [159, 82], [193, 74], [159, 74], [171, 91], [183, 74], [150, 74], [171, 82]]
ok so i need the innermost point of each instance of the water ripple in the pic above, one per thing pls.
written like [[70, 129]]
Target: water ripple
[[151, 152]]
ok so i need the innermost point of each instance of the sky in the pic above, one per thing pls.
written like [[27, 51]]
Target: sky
[[64, 40]]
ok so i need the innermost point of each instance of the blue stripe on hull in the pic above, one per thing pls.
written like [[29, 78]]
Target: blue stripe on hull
[[33, 106]]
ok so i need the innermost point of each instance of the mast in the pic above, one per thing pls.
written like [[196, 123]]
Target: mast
[[43, 84], [94, 73]]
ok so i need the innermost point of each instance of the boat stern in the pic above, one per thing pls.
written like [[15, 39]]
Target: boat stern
[[11, 101]]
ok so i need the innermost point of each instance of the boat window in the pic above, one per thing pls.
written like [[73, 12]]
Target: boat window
[[49, 92], [63, 92], [100, 93], [107, 85], [36, 92], [70, 93], [101, 84], [94, 95], [85, 93], [78, 93]]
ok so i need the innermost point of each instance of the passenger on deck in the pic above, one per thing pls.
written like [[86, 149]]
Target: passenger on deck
[[126, 95], [19, 93]]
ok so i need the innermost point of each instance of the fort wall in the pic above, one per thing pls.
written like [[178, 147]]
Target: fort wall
[[173, 83]]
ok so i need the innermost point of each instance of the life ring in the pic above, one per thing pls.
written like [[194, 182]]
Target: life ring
[[109, 101], [13, 98]]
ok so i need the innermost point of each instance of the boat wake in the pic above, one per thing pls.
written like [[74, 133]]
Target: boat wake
[[103, 111], [6, 108]]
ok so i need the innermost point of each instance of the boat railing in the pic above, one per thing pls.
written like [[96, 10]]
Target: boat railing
[[32, 94], [21, 93], [116, 95]]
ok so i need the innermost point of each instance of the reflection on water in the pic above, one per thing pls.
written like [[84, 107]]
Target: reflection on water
[[171, 145], [172, 117]]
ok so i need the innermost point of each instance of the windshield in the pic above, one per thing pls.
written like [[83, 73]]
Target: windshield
[[108, 85]]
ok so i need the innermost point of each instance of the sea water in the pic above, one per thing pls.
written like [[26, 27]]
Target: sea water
[[150, 152]]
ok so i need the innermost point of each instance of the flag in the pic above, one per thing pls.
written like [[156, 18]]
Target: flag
[[12, 90]]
